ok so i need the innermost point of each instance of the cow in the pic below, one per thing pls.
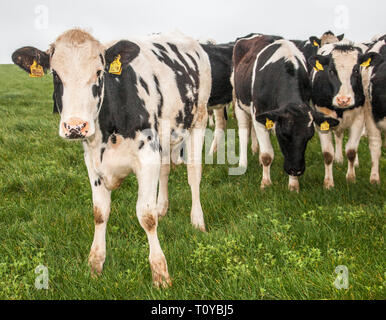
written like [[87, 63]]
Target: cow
[[310, 47], [373, 65], [220, 57], [271, 85], [337, 91], [128, 101]]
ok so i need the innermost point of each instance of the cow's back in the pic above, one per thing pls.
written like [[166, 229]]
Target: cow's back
[[244, 57]]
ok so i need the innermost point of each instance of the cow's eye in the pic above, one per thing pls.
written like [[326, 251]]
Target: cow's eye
[[99, 73]]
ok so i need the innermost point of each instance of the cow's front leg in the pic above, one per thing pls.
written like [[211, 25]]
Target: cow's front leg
[[356, 130], [328, 155], [266, 152], [147, 175], [101, 206]]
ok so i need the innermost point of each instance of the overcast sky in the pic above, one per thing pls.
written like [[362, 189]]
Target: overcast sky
[[38, 23]]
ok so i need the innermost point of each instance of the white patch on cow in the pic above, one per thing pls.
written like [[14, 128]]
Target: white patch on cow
[[287, 51]]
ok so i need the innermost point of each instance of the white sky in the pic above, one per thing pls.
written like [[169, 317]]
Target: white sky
[[39, 22]]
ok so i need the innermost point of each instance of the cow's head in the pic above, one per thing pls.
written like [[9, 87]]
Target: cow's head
[[78, 63], [337, 79], [294, 128]]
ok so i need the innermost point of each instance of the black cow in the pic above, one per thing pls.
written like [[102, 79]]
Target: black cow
[[271, 84]]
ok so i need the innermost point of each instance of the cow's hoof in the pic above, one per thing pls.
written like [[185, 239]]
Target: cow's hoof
[[350, 178], [294, 187], [162, 209], [328, 184], [338, 159], [265, 183], [374, 179], [159, 270], [96, 261]]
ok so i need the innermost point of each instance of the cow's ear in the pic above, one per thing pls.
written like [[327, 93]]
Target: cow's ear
[[315, 41], [340, 37], [370, 59], [268, 118], [28, 56], [323, 121], [319, 62], [125, 50]]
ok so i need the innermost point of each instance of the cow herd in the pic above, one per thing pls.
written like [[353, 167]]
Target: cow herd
[[132, 103]]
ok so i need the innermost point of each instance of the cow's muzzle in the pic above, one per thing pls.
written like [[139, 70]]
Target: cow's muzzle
[[75, 128]]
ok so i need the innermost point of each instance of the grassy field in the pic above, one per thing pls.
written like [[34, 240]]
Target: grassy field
[[260, 245]]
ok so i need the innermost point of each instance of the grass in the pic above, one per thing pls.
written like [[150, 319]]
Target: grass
[[269, 244]]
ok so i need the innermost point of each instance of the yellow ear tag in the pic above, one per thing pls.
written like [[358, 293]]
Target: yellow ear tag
[[36, 70], [325, 126], [318, 66], [366, 63], [315, 44], [116, 66], [268, 124]]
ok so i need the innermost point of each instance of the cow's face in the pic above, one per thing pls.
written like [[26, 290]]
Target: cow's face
[[294, 128], [78, 63], [337, 81], [78, 86]]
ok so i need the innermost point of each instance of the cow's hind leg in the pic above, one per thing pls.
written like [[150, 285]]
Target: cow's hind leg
[[352, 145], [194, 165], [243, 122], [101, 207], [163, 197], [147, 175], [219, 130], [375, 145], [339, 146]]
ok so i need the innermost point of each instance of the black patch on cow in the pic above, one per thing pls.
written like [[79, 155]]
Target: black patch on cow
[[102, 151], [378, 91], [58, 91], [161, 97], [144, 84], [159, 46], [123, 111], [220, 58], [186, 77]]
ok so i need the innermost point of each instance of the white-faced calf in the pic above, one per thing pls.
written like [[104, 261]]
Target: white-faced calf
[[128, 102], [337, 91]]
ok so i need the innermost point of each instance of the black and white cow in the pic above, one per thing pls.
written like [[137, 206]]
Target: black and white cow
[[271, 85], [337, 91], [220, 57], [310, 47], [374, 82], [128, 102]]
